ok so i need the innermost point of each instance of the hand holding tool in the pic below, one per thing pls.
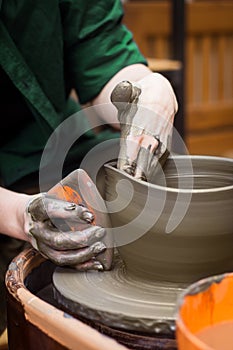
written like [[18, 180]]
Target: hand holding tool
[[146, 112]]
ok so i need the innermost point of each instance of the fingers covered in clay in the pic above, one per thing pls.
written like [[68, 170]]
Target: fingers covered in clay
[[45, 207], [72, 257], [137, 155], [146, 111], [92, 264], [62, 240], [64, 232]]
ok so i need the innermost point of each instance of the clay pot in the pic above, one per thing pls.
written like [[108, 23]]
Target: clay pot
[[178, 228], [205, 315]]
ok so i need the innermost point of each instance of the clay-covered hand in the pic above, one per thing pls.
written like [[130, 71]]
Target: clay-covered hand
[[48, 222], [146, 111]]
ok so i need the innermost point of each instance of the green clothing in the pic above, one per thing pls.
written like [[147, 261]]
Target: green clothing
[[47, 48]]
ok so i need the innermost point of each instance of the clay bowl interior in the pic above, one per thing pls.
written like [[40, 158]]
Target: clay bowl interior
[[178, 227]]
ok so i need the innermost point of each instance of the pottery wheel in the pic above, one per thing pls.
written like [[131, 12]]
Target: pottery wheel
[[118, 300]]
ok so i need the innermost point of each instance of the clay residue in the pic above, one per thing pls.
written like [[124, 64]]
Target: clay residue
[[114, 298]]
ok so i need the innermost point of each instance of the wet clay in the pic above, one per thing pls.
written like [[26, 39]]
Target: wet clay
[[78, 188], [218, 336], [169, 233], [115, 299], [178, 229]]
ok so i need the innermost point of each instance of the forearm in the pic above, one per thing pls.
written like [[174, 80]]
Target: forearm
[[132, 73], [12, 207]]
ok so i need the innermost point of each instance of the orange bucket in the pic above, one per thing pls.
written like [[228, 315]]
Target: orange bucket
[[205, 315]]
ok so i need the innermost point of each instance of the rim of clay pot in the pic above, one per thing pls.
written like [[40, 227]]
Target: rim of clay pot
[[112, 165], [195, 288]]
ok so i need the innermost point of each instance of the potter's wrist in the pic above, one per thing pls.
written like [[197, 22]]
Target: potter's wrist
[[22, 204], [29, 218]]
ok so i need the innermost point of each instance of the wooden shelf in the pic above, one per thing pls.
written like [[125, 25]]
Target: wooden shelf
[[163, 64]]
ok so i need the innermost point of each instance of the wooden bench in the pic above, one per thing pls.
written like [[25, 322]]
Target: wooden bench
[[208, 68]]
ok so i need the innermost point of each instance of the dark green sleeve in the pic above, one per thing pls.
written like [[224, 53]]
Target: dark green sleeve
[[97, 45]]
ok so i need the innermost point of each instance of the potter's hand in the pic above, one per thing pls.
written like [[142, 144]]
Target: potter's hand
[[48, 221], [146, 112]]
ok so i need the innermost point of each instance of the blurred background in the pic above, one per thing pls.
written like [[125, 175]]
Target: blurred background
[[191, 43]]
